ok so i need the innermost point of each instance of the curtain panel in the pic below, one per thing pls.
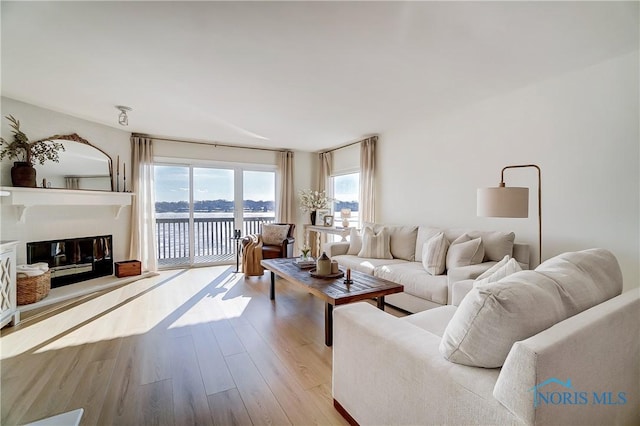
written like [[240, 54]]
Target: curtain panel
[[284, 208], [367, 179], [143, 222]]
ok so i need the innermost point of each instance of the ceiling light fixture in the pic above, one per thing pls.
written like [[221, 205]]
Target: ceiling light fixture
[[123, 119]]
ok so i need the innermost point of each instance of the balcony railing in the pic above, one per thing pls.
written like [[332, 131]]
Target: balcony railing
[[212, 239]]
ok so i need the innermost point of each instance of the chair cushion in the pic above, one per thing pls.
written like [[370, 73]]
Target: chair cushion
[[492, 317], [272, 252], [274, 234]]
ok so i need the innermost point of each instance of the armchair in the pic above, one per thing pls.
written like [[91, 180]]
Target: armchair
[[273, 251]]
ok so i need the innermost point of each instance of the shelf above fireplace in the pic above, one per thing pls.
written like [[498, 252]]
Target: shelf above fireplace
[[25, 198]]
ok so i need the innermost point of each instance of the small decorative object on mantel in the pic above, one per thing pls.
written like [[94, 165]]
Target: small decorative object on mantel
[[312, 201], [23, 173], [118, 175], [328, 220]]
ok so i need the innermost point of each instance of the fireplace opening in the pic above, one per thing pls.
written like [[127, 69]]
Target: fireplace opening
[[73, 260]]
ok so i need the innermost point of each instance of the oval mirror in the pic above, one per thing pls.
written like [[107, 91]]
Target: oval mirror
[[82, 166]]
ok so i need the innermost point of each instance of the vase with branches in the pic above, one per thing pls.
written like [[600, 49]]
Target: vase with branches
[[311, 201], [26, 152]]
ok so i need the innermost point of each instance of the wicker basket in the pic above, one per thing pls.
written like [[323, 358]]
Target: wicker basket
[[33, 289]]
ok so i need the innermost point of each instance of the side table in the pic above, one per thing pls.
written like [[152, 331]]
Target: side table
[[237, 241]]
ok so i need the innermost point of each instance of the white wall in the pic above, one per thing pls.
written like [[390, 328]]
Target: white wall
[[581, 128]]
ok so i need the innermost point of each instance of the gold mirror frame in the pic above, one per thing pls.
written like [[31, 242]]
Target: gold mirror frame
[[74, 137]]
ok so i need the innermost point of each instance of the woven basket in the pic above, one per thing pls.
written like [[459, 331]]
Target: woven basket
[[33, 289]]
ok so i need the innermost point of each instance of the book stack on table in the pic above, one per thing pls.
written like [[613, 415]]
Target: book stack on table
[[305, 263]]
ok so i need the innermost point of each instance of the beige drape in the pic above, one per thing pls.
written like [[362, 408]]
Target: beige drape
[[324, 171], [143, 232], [284, 208], [367, 180]]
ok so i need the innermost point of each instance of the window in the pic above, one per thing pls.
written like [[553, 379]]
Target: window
[[346, 192]]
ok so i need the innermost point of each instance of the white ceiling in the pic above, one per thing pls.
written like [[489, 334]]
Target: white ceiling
[[297, 75]]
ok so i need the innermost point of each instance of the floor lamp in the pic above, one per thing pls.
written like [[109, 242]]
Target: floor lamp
[[510, 201]]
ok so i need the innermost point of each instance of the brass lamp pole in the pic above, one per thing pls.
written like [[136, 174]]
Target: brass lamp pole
[[506, 201]]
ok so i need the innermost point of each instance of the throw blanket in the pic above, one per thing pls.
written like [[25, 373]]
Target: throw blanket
[[251, 256]]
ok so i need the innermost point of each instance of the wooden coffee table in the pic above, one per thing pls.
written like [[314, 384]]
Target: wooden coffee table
[[332, 291]]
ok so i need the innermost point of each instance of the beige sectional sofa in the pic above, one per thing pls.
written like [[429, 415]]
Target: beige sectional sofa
[[563, 341], [423, 290]]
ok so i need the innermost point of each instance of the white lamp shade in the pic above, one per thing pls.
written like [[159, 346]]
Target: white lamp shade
[[503, 202]]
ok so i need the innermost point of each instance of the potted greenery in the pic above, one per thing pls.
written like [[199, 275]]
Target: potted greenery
[[23, 173]]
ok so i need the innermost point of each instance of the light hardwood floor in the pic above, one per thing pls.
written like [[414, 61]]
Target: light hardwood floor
[[194, 346]]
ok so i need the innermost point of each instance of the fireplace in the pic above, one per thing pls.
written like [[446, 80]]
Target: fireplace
[[74, 259]]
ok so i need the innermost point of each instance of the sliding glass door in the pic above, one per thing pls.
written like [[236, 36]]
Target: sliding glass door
[[213, 214], [199, 207], [259, 199]]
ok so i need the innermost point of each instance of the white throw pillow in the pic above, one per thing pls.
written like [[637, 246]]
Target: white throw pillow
[[494, 268], [375, 245], [402, 240], [511, 267], [492, 317], [355, 242], [274, 235], [434, 254], [464, 252]]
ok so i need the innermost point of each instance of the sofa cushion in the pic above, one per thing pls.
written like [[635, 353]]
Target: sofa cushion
[[494, 268], [497, 244], [424, 233], [434, 254], [274, 235], [402, 240], [465, 251], [360, 264], [355, 242], [433, 320], [492, 317], [416, 280], [511, 267], [375, 245]]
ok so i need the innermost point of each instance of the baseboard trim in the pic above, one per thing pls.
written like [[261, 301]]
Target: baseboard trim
[[340, 409]]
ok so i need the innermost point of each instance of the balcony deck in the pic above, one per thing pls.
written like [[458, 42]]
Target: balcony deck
[[213, 239]]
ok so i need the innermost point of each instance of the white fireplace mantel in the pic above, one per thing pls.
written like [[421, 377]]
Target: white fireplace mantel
[[25, 198]]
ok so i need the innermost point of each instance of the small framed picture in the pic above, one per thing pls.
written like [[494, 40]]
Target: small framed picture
[[320, 214], [328, 220]]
